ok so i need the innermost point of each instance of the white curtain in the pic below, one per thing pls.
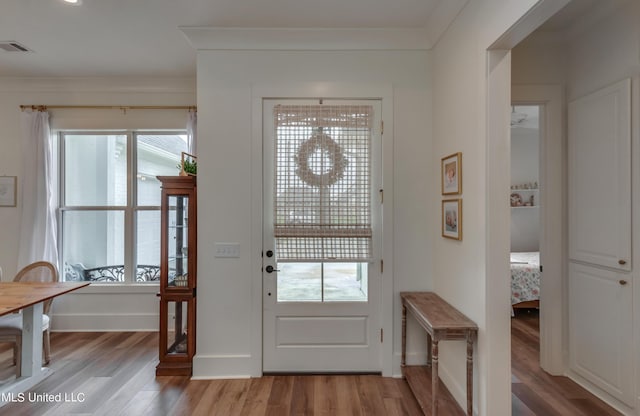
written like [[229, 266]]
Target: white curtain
[[38, 229], [192, 131]]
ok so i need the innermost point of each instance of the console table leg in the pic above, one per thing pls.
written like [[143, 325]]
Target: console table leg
[[403, 362], [435, 381], [469, 374]]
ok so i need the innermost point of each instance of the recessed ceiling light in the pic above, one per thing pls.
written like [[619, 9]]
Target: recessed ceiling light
[[74, 2]]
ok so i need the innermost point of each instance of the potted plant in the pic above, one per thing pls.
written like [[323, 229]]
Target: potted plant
[[188, 165]]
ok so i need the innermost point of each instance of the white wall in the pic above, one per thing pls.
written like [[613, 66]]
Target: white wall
[[540, 59], [229, 83], [603, 48], [473, 274], [94, 308]]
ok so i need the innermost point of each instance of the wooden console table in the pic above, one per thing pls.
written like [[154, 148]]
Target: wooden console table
[[442, 322]]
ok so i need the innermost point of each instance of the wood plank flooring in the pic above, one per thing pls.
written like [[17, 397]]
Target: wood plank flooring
[[114, 374], [535, 392]]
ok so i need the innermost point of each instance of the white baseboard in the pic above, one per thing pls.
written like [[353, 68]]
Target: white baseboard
[[413, 358], [457, 390], [602, 395], [211, 367], [130, 322]]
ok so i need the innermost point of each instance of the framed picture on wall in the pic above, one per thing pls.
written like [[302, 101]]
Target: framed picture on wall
[[452, 174], [8, 191], [452, 218]]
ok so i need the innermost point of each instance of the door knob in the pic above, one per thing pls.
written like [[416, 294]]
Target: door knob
[[622, 262], [270, 269], [622, 282]]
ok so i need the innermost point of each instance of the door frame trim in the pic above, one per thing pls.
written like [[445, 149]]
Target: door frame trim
[[316, 90]]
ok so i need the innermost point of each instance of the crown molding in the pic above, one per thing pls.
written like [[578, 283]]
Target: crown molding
[[342, 39], [441, 18], [98, 84], [318, 38]]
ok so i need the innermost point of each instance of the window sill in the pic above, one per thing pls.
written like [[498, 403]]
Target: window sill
[[119, 288]]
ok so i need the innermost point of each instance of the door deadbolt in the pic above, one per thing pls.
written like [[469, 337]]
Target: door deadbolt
[[269, 253], [270, 269]]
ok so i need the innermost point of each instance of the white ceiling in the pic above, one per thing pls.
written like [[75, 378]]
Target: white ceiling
[[142, 37]]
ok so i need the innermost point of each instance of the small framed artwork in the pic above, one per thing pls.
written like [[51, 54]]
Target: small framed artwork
[[452, 174], [452, 218], [8, 191]]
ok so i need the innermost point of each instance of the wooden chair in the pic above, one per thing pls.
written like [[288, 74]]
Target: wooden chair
[[11, 325]]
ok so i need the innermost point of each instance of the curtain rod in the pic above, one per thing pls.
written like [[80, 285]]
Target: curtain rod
[[110, 107]]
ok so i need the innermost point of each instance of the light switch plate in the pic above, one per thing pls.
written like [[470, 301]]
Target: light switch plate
[[227, 250]]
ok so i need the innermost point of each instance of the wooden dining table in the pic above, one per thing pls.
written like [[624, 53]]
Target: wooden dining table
[[28, 297]]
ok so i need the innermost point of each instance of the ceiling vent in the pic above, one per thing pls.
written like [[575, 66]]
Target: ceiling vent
[[12, 46]]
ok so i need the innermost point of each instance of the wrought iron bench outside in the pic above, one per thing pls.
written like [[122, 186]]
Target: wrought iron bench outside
[[77, 272]]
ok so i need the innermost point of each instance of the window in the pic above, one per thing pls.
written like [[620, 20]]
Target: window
[[110, 203], [323, 182], [322, 202]]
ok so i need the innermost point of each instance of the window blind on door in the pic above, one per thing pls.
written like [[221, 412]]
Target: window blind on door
[[322, 198]]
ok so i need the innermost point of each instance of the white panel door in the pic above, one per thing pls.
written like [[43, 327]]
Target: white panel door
[[599, 198], [318, 316], [601, 329], [600, 177]]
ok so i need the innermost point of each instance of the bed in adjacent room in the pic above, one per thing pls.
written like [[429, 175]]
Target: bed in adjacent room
[[525, 279]]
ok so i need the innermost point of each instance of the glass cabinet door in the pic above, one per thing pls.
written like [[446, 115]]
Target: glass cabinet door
[[178, 241], [177, 328]]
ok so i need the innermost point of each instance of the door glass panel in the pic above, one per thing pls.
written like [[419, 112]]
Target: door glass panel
[[345, 281], [322, 282], [300, 282]]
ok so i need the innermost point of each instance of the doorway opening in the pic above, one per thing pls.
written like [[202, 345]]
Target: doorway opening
[[525, 203], [525, 265]]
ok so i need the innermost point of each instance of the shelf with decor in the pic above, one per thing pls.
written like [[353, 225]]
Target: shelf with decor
[[524, 198]]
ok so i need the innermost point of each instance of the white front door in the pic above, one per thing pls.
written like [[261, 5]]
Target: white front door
[[321, 237]]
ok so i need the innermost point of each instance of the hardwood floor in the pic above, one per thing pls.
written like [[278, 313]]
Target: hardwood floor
[[114, 374], [535, 392], [121, 381]]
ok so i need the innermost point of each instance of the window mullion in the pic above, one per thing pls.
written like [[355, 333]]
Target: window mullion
[[129, 214]]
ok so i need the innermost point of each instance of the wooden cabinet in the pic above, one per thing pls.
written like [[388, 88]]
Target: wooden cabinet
[[177, 276]]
